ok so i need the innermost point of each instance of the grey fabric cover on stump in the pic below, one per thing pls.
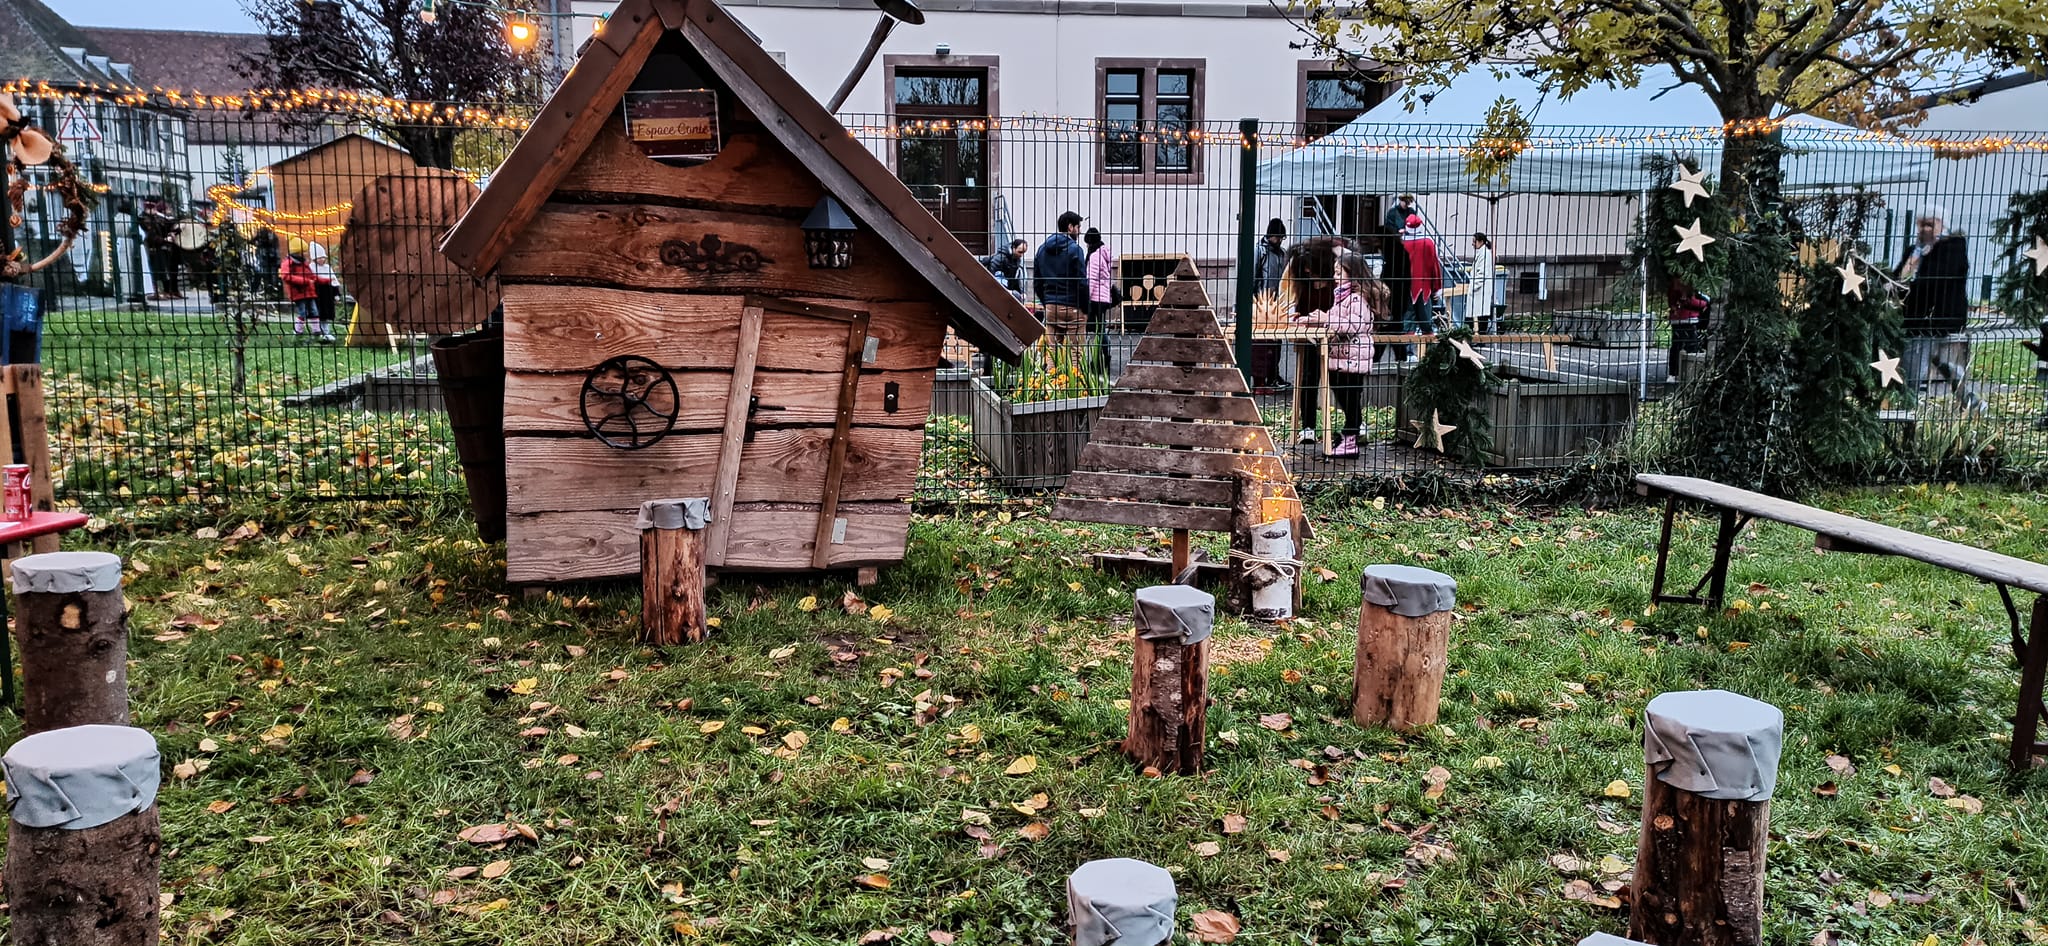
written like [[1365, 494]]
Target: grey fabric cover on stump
[[82, 838], [1714, 743], [692, 513], [1408, 591], [71, 631], [1170, 678], [1404, 640], [1609, 939], [67, 572], [1121, 901], [1711, 764]]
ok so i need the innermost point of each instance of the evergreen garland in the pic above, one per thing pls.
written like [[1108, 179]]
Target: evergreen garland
[[1840, 335], [1450, 388]]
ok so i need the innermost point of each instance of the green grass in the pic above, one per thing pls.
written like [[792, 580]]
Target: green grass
[[144, 413], [352, 627]]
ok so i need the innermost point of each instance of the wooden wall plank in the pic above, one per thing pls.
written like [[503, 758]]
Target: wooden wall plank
[[573, 328], [552, 474], [623, 245], [751, 171], [548, 403], [836, 466], [568, 546]]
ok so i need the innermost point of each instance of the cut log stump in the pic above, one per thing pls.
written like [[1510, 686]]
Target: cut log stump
[[71, 628], [1121, 901], [1170, 678], [1404, 639], [672, 578], [1712, 763], [82, 838]]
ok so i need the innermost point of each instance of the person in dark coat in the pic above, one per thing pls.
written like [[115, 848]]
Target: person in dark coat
[[1937, 310], [1005, 263], [1059, 277], [1269, 269], [1311, 285]]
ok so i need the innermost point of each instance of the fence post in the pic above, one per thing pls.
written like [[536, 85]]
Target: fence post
[[1247, 238]]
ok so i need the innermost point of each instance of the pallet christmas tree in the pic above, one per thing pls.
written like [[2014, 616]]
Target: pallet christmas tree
[[1180, 434]]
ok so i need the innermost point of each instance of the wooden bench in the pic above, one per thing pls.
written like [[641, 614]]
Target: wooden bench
[[1839, 533]]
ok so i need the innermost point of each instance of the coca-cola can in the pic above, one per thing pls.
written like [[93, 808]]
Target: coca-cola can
[[14, 502]]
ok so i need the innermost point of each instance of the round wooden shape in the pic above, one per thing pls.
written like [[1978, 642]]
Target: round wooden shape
[[390, 257]]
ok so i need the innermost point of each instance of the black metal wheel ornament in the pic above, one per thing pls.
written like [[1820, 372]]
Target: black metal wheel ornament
[[630, 402]]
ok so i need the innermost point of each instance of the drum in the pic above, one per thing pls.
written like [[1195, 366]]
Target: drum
[[190, 235]]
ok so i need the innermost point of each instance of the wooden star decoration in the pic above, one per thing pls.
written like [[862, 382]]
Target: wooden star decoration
[[1852, 281], [1691, 240], [1431, 437], [1465, 351], [2039, 254], [1690, 183], [1887, 370]]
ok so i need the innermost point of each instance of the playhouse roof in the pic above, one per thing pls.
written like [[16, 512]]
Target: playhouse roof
[[988, 315]]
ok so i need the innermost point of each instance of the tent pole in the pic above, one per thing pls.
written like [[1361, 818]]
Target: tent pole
[[1643, 284]]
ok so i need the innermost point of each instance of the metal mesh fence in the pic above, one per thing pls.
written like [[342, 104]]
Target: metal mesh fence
[[161, 395]]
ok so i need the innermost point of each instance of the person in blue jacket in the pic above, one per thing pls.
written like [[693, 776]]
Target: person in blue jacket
[[1059, 278]]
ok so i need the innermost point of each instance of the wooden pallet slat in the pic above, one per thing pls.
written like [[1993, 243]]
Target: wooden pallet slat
[[1198, 491], [1213, 351], [1153, 515]]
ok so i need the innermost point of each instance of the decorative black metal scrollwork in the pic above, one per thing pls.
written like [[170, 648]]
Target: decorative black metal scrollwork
[[713, 255], [630, 402]]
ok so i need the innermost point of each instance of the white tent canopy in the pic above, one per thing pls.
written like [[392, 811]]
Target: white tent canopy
[[1592, 143]]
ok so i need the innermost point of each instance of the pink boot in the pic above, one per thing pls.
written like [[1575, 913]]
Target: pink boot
[[1348, 447]]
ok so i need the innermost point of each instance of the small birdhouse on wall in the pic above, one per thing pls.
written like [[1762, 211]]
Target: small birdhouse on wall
[[828, 235]]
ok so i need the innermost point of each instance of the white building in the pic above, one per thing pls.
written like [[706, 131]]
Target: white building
[[1182, 75]]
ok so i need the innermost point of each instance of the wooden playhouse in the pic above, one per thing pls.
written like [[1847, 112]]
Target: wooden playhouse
[[712, 289]]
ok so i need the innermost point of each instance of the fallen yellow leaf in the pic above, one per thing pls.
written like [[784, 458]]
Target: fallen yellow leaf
[[1025, 765], [711, 727], [1618, 789]]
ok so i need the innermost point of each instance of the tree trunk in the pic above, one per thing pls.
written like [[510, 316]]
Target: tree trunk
[[1399, 668], [672, 576], [1169, 705], [98, 886], [74, 658], [1737, 426], [1699, 874]]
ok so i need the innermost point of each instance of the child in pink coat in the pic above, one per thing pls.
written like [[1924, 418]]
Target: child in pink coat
[[1358, 297]]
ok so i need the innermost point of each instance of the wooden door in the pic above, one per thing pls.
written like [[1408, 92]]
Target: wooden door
[[746, 413], [942, 147]]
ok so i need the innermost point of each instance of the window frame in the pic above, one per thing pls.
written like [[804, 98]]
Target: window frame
[[1148, 105], [1307, 69]]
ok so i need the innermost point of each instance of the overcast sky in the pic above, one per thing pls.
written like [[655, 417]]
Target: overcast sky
[[223, 15]]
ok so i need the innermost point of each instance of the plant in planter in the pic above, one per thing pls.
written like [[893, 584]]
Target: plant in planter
[[1031, 420]]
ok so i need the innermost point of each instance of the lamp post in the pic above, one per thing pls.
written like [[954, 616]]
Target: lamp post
[[893, 12]]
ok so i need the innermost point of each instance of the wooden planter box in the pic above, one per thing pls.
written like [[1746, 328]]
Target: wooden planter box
[[1595, 328], [1545, 418], [1030, 447]]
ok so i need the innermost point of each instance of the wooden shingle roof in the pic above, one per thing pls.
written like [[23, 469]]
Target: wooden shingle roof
[[987, 314]]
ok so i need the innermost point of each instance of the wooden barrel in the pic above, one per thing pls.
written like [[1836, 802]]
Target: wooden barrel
[[472, 373]]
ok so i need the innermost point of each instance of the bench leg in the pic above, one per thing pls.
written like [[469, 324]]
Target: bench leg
[[1663, 549], [1724, 546], [2026, 724]]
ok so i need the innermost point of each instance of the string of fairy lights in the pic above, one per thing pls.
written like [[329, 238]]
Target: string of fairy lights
[[227, 207]]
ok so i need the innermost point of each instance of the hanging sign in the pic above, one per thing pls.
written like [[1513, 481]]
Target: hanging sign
[[77, 126], [679, 126]]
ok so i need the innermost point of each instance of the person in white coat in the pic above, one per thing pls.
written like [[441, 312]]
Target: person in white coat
[[1479, 298]]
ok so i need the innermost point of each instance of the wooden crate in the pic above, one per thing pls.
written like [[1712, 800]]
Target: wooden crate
[[1030, 447], [1545, 418]]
